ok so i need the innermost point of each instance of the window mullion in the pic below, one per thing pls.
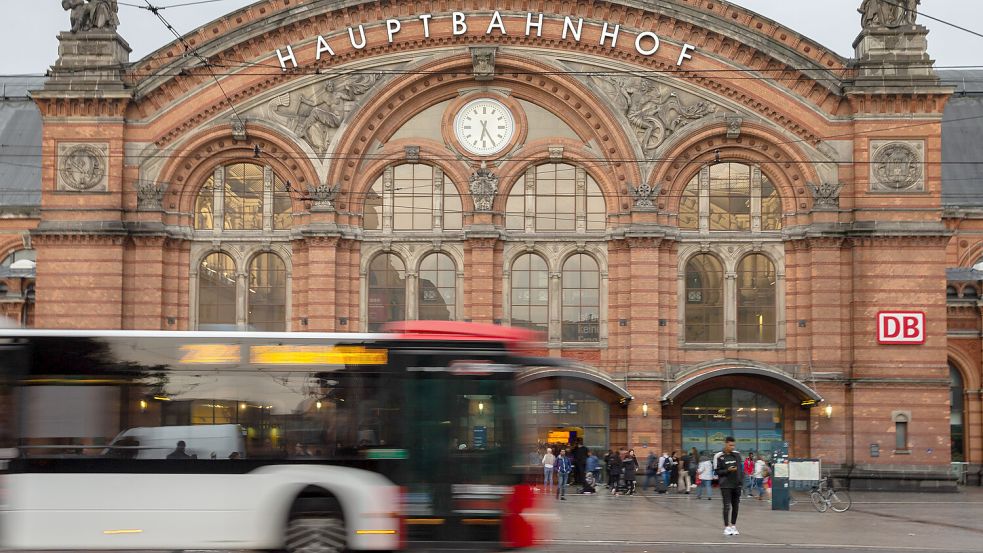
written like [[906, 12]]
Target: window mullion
[[530, 207], [267, 198], [580, 200], [730, 308], [218, 200], [438, 199], [704, 199], [755, 199], [387, 199]]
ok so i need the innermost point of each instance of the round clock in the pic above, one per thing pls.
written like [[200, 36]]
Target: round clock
[[484, 126]]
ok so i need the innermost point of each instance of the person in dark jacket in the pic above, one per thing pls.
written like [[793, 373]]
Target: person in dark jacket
[[614, 471], [630, 466], [579, 462], [563, 469], [729, 470]]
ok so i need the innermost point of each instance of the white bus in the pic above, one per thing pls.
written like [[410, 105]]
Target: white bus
[[304, 442]]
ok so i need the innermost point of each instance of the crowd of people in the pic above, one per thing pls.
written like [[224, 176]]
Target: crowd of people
[[573, 465]]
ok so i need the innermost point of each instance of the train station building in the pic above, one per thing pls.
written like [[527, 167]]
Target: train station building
[[733, 229]]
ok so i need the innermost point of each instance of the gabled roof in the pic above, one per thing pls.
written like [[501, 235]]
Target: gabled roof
[[20, 143]]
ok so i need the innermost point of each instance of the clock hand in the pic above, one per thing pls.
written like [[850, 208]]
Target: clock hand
[[484, 131]]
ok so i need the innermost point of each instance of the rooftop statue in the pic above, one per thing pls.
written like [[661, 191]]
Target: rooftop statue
[[888, 13], [88, 15]]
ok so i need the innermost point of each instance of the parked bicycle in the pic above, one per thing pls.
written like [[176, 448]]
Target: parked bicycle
[[825, 496]]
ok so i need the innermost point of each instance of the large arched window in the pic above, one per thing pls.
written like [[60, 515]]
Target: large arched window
[[581, 299], [756, 285], [216, 292], [704, 300], [530, 293], [413, 197], [267, 298], [438, 288], [238, 194], [387, 291], [957, 404], [561, 198], [738, 197]]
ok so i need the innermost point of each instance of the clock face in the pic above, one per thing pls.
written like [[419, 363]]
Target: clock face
[[484, 127]]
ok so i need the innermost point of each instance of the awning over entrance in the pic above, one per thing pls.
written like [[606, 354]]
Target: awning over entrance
[[582, 373], [805, 392]]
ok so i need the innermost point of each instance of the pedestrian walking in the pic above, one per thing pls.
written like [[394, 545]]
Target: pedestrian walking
[[749, 473], [614, 471], [563, 469], [593, 466], [651, 470], [548, 461], [684, 479], [579, 461], [630, 466], [728, 465], [662, 470], [760, 472], [673, 469], [694, 465], [706, 476]]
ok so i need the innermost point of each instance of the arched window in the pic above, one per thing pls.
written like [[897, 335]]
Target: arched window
[[564, 198], [756, 284], [951, 292], [267, 298], [739, 198], [3, 289], [957, 405], [242, 191], [387, 291], [407, 197], [581, 299], [704, 300], [530, 293], [216, 291], [438, 288], [30, 255], [970, 293]]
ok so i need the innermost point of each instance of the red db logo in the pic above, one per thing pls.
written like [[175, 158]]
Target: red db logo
[[901, 327]]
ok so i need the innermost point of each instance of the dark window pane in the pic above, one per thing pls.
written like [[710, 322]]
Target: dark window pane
[[756, 313], [387, 291], [704, 300], [581, 300], [267, 293], [437, 296], [530, 293], [216, 291]]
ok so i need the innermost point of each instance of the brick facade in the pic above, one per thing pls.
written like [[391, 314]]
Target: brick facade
[[113, 259]]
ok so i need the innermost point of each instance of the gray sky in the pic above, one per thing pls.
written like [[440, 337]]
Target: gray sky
[[29, 45]]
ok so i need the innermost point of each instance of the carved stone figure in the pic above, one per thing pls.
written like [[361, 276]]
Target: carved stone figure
[[896, 167], [643, 195], [82, 168], [483, 187], [653, 110], [149, 195], [826, 195], [888, 13], [483, 61], [88, 15], [324, 195], [316, 116]]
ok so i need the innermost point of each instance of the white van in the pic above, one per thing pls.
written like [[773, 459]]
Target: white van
[[205, 441]]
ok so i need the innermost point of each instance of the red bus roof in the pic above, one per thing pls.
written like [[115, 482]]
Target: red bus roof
[[459, 331]]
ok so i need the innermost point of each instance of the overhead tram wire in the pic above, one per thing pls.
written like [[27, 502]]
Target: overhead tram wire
[[194, 52]]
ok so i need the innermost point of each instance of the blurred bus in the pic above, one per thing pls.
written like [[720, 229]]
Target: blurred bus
[[296, 441]]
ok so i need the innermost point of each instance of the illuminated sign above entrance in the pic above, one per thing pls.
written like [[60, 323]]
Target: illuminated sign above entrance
[[646, 43]]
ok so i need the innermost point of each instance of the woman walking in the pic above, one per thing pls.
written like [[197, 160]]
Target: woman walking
[[548, 461], [705, 474], [614, 471], [630, 466]]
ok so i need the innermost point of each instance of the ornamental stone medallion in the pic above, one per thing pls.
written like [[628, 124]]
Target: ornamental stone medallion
[[897, 166], [83, 167]]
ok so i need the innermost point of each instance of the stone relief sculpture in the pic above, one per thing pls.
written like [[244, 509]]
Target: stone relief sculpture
[[483, 62], [825, 195], [324, 195], [149, 195], [643, 195], [483, 187], [896, 167], [655, 111], [316, 113], [82, 168], [88, 15], [888, 13]]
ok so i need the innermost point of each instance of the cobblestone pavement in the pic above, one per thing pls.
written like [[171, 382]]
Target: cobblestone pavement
[[678, 522]]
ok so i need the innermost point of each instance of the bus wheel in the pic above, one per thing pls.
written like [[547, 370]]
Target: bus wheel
[[315, 533]]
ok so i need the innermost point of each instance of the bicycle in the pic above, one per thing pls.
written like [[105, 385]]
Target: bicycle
[[825, 496]]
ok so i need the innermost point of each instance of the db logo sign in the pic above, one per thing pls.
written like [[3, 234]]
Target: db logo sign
[[901, 327]]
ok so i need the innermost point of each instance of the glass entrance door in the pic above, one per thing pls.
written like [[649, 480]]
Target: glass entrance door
[[753, 419]]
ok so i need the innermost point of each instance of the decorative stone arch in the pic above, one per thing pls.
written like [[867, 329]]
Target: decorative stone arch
[[687, 252], [729, 367], [393, 154], [537, 153], [724, 32], [598, 253], [959, 360], [972, 255], [369, 253], [785, 165], [191, 166], [579, 372], [409, 94], [11, 245], [456, 253]]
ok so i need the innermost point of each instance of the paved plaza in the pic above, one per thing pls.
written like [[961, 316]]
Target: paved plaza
[[680, 523]]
